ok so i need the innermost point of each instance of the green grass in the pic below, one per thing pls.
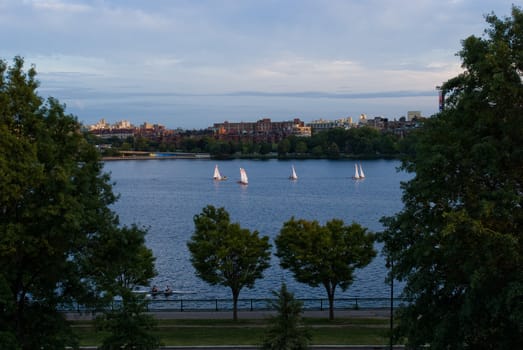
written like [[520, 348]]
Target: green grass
[[250, 332]]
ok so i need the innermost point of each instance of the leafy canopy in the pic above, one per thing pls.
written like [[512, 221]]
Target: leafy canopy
[[54, 205], [457, 241], [324, 255], [224, 253]]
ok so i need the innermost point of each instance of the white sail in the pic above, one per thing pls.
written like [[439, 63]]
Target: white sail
[[362, 175], [356, 173], [217, 175], [293, 176], [244, 180]]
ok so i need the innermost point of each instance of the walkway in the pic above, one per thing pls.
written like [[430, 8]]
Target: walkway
[[216, 315]]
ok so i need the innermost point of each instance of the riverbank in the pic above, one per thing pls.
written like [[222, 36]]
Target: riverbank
[[164, 156], [132, 155]]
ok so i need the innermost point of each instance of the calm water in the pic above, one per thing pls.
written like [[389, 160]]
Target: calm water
[[164, 195]]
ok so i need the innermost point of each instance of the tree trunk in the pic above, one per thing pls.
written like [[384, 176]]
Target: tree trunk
[[19, 316], [330, 294], [235, 294], [331, 305]]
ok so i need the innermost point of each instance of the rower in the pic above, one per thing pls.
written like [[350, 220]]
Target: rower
[[168, 290]]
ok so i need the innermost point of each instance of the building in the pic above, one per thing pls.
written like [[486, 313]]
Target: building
[[124, 129], [377, 123], [412, 115], [322, 124], [263, 130], [302, 131]]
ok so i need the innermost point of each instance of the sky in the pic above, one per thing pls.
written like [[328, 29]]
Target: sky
[[191, 63]]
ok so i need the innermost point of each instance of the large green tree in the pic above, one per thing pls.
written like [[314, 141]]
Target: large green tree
[[324, 255], [224, 253], [54, 214], [458, 240], [128, 263]]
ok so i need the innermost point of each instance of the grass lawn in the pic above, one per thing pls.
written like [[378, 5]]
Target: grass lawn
[[250, 332]]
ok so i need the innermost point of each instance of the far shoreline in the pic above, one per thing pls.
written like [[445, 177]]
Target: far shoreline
[[142, 155], [157, 156]]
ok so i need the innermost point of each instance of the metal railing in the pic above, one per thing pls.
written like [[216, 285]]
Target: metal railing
[[161, 303]]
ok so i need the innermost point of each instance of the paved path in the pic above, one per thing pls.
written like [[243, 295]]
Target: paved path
[[180, 315], [254, 347]]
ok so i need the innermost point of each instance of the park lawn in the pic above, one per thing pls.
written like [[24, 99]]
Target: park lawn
[[250, 332]]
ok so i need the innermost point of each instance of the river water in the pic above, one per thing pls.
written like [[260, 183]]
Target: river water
[[164, 195]]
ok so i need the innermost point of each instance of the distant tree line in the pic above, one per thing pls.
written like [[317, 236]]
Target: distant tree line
[[362, 142]]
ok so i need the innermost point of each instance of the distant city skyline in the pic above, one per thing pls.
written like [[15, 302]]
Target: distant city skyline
[[190, 64], [104, 123]]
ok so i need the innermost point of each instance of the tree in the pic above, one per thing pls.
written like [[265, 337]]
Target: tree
[[457, 243], [286, 329], [284, 146], [128, 325], [317, 151], [333, 151], [266, 148], [54, 201], [131, 265], [301, 147], [224, 253], [131, 262], [324, 255]]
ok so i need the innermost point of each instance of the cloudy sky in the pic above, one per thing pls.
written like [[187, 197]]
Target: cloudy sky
[[190, 63]]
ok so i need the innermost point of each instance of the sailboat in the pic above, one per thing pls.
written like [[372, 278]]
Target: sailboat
[[293, 174], [244, 180], [362, 175], [217, 176], [356, 173]]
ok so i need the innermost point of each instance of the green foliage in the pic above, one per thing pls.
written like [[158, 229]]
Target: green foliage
[[324, 255], [266, 148], [457, 241], [284, 147], [54, 201], [317, 151], [141, 144], [129, 326], [301, 147], [128, 262], [333, 151], [46, 328], [286, 329], [224, 253]]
